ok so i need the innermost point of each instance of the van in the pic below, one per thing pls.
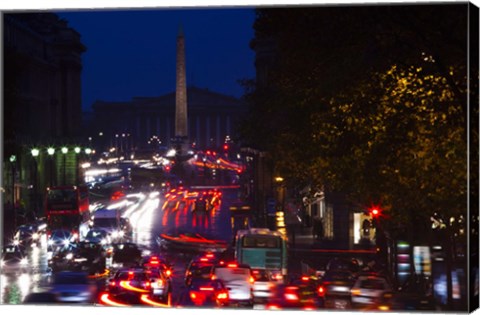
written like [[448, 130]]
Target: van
[[112, 222], [238, 280]]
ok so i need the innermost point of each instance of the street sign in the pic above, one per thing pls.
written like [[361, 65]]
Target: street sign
[[271, 207]]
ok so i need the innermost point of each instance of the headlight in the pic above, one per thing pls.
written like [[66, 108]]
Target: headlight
[[103, 241], [35, 236], [115, 234], [16, 242], [69, 256], [66, 242], [50, 242], [121, 233], [24, 262]]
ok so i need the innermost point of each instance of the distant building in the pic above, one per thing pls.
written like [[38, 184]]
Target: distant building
[[149, 122], [42, 103]]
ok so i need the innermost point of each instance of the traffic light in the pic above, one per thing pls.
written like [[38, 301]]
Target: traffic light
[[225, 147], [374, 212]]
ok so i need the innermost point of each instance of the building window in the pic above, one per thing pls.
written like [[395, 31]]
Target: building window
[[328, 222]]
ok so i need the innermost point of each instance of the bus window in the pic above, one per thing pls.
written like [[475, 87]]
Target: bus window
[[256, 241]]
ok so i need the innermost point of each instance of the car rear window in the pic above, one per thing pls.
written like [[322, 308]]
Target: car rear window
[[229, 274], [373, 284]]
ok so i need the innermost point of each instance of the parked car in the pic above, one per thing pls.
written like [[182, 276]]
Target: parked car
[[369, 290], [73, 287]]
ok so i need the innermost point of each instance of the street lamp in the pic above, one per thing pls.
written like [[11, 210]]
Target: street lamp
[[64, 151], [51, 152]]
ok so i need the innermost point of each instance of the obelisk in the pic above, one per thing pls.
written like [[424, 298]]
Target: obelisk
[[181, 132]]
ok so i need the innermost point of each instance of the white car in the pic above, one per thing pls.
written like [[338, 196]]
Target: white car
[[238, 279], [73, 287], [264, 286], [368, 290]]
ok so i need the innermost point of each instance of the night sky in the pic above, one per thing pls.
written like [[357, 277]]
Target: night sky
[[133, 52]]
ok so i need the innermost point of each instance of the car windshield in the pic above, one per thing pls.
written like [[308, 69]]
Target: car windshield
[[105, 222], [96, 234], [229, 274], [337, 276], [61, 234], [129, 275], [201, 271]]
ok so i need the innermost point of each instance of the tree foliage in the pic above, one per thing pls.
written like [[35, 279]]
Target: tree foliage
[[369, 101]]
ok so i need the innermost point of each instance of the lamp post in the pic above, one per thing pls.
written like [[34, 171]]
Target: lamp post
[[35, 152], [77, 151], [64, 151], [51, 152]]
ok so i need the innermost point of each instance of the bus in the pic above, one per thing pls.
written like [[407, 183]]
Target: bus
[[67, 208], [264, 250]]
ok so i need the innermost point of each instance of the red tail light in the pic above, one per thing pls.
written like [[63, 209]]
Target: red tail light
[[291, 297], [168, 272], [321, 291], [147, 284], [113, 283], [222, 296], [305, 278], [206, 289], [232, 265], [252, 280]]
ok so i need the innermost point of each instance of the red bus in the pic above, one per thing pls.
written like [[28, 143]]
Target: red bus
[[67, 208]]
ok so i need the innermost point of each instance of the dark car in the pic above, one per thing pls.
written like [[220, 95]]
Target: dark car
[[41, 298], [335, 287], [198, 269], [26, 236], [301, 292], [125, 255], [207, 293], [62, 259], [129, 284], [14, 260], [89, 257]]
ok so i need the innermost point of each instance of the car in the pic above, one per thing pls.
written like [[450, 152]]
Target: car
[[125, 255], [198, 269], [62, 258], [41, 298], [89, 257], [154, 261], [299, 293], [369, 290], [239, 281], [73, 287], [26, 236], [14, 260], [208, 293], [98, 236], [129, 284], [161, 284], [264, 286], [59, 238], [335, 287]]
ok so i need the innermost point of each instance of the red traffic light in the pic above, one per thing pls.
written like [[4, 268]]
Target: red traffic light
[[225, 147], [374, 212]]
